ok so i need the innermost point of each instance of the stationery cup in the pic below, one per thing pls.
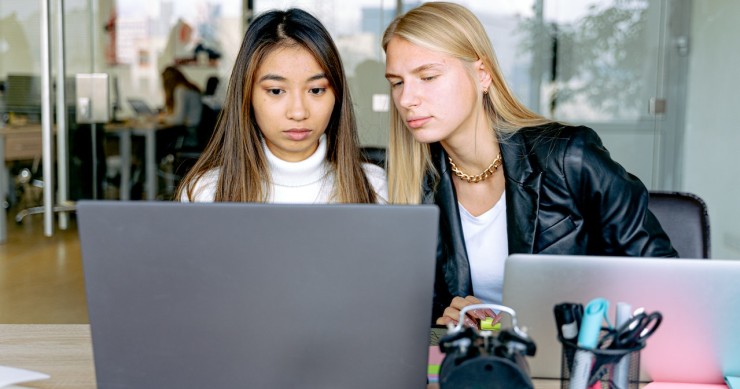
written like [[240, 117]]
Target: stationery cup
[[605, 361]]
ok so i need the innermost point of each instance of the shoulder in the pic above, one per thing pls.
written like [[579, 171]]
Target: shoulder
[[378, 180], [555, 135], [204, 188], [184, 91], [555, 144]]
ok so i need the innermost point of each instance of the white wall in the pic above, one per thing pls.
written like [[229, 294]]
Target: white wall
[[712, 145]]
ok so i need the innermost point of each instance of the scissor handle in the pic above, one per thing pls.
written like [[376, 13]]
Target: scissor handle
[[638, 328]]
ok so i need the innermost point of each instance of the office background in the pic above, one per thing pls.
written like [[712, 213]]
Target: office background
[[655, 78]]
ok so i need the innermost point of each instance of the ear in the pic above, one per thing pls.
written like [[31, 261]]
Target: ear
[[484, 77]]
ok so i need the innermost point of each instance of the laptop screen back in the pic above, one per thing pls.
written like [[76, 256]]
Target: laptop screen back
[[698, 340], [141, 108], [258, 296]]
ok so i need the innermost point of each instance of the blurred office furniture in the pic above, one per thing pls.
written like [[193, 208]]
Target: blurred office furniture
[[23, 98], [211, 86], [685, 219], [148, 129], [16, 143], [182, 159], [374, 155], [21, 143]]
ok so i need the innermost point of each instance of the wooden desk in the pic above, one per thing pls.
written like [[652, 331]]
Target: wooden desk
[[21, 142], [64, 351]]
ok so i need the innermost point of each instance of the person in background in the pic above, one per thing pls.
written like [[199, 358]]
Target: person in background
[[506, 180], [287, 132], [182, 103]]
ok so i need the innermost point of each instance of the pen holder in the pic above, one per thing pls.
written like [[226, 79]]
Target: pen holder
[[606, 369]]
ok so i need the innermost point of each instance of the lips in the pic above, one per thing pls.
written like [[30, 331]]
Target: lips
[[417, 122], [297, 134]]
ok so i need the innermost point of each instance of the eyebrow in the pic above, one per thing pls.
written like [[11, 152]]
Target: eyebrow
[[417, 70], [276, 77]]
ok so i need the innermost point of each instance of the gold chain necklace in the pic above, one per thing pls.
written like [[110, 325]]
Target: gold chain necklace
[[490, 170]]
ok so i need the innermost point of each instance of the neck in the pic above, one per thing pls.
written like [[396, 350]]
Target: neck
[[473, 150], [473, 145], [305, 172]]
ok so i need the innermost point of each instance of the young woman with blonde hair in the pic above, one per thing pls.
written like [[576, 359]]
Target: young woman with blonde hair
[[287, 132], [506, 180]]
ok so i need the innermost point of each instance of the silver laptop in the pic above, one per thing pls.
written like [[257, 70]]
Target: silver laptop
[[233, 295], [698, 340], [140, 107]]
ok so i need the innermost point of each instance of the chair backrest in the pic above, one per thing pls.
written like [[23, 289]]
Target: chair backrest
[[685, 219], [375, 155], [207, 125]]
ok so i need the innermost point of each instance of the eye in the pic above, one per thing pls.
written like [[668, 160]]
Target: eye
[[317, 91], [396, 84], [428, 78], [274, 91]]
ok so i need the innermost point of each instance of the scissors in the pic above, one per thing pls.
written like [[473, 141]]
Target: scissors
[[634, 331]]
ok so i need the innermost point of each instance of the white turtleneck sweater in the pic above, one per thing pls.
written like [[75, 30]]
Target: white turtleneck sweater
[[306, 182]]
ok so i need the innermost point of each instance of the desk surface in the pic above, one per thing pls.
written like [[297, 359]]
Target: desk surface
[[64, 351], [24, 129]]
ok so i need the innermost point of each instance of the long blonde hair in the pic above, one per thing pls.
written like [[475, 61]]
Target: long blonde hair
[[236, 149], [453, 30]]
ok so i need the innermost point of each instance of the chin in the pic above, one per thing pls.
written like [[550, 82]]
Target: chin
[[422, 136]]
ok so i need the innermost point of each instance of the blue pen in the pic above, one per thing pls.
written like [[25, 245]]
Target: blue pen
[[588, 336]]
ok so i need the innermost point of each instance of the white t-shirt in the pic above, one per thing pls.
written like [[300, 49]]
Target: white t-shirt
[[306, 182], [487, 246]]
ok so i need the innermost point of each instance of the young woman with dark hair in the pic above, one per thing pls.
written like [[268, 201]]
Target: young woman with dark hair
[[287, 132]]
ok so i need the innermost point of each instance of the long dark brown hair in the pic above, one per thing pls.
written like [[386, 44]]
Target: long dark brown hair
[[236, 149], [171, 78]]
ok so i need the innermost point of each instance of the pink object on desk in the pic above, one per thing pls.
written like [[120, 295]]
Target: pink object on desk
[[435, 360], [680, 385], [435, 355]]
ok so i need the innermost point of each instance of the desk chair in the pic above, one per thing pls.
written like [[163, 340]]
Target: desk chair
[[181, 159], [685, 219], [375, 155], [31, 187], [24, 143]]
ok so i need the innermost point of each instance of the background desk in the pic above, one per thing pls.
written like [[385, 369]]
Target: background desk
[[64, 351], [148, 129]]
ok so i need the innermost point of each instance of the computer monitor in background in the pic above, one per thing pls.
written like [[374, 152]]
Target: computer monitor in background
[[23, 96]]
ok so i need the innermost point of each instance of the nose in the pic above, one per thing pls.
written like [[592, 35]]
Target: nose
[[297, 109], [407, 96]]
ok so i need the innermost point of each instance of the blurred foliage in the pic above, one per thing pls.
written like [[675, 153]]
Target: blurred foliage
[[595, 58]]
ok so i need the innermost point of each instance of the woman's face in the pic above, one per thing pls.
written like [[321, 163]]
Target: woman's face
[[292, 102], [433, 92]]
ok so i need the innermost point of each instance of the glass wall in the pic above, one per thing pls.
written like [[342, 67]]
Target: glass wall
[[597, 63], [139, 38], [637, 71]]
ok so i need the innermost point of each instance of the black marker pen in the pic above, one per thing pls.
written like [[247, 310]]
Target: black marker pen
[[568, 320]]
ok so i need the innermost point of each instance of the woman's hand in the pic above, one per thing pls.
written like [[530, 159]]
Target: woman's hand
[[452, 313]]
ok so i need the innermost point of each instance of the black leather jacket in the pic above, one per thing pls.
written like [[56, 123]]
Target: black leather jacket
[[564, 195]]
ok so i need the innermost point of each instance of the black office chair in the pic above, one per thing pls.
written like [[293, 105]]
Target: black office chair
[[181, 159], [375, 155], [685, 219]]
